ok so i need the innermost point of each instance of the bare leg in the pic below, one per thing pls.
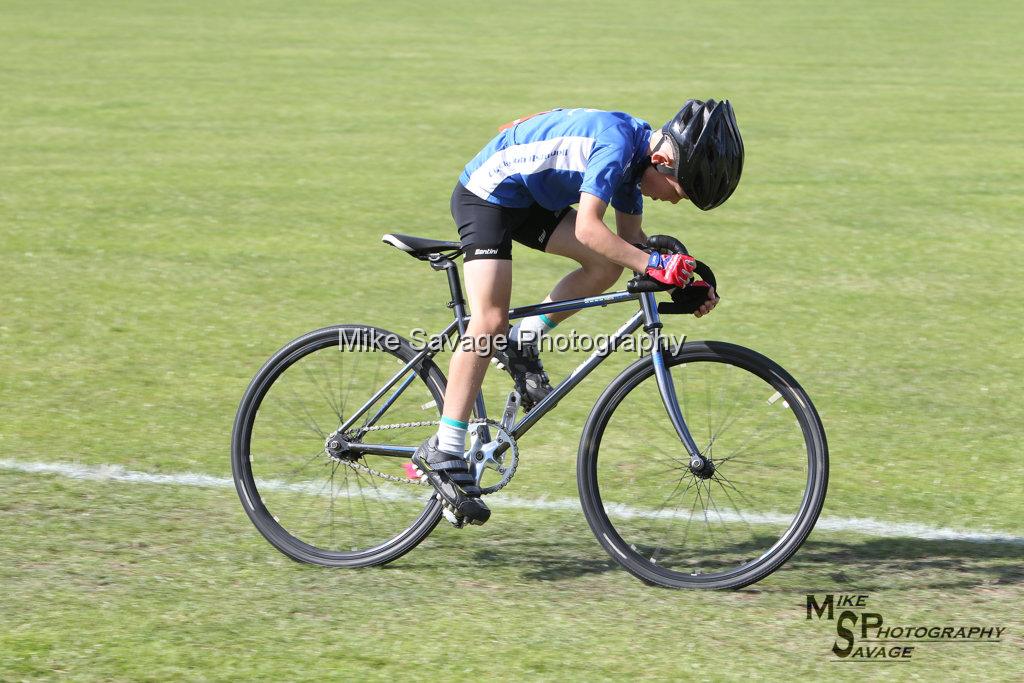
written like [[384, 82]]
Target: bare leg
[[595, 275], [489, 286]]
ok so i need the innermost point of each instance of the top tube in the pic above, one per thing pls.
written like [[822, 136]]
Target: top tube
[[571, 304]]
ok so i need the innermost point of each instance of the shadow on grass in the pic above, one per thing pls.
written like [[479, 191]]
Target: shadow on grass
[[867, 564], [884, 563], [546, 564]]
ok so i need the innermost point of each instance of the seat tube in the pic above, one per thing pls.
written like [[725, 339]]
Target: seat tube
[[652, 325]]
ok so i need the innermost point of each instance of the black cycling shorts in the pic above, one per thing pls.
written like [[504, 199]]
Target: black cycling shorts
[[486, 230]]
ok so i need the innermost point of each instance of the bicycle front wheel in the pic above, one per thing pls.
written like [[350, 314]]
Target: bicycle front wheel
[[324, 507], [730, 524]]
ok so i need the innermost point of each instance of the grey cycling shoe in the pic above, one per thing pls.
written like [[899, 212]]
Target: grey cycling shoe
[[455, 485], [527, 372]]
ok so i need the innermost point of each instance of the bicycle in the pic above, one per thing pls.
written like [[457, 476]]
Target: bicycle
[[719, 510]]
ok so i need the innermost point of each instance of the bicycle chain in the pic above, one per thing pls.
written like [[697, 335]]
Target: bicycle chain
[[422, 482]]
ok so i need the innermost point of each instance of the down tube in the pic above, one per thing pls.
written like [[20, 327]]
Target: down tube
[[577, 376]]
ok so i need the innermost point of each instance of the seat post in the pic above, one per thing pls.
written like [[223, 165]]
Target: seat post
[[458, 303]]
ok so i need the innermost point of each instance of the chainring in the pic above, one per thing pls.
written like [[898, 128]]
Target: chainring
[[481, 455]]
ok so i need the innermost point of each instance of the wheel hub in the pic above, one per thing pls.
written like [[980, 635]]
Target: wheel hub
[[701, 467], [337, 448]]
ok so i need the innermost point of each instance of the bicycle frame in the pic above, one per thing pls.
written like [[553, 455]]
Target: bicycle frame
[[647, 316]]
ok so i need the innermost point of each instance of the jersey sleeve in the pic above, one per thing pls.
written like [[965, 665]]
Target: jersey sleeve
[[627, 198], [606, 169]]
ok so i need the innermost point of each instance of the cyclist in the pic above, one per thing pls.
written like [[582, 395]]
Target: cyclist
[[521, 187]]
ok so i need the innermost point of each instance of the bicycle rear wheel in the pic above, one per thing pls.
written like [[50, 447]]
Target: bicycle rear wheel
[[724, 527], [321, 508]]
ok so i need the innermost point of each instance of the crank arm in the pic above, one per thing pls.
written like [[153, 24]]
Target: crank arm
[[508, 418]]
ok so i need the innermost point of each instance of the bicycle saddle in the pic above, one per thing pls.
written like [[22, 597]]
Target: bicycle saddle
[[421, 247]]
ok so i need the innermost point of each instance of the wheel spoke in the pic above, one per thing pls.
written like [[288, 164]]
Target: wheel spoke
[[735, 507], [321, 390]]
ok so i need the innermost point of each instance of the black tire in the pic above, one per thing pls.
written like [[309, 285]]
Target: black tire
[[392, 543], [745, 368]]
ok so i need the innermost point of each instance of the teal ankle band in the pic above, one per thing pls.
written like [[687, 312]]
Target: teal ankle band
[[458, 424], [548, 321]]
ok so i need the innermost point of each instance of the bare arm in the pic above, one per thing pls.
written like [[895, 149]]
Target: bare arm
[[628, 227], [592, 232]]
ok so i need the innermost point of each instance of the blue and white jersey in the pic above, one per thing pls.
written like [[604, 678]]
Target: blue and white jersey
[[550, 158]]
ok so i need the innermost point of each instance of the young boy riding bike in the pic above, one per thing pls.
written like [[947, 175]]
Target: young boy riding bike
[[521, 187]]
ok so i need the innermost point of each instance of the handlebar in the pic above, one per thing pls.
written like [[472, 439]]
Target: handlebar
[[666, 243], [685, 300]]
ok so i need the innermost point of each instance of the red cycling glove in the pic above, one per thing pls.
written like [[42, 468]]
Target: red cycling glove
[[671, 269]]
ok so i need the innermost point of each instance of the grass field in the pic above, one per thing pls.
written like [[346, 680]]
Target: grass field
[[184, 187]]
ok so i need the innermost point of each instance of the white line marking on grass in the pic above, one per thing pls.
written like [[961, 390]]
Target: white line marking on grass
[[118, 473], [867, 526]]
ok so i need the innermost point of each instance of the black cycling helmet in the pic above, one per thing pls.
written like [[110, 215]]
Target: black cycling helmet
[[708, 151]]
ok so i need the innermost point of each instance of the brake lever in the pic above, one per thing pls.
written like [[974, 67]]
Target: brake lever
[[667, 243]]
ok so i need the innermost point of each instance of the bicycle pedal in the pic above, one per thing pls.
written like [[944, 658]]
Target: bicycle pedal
[[455, 520]]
